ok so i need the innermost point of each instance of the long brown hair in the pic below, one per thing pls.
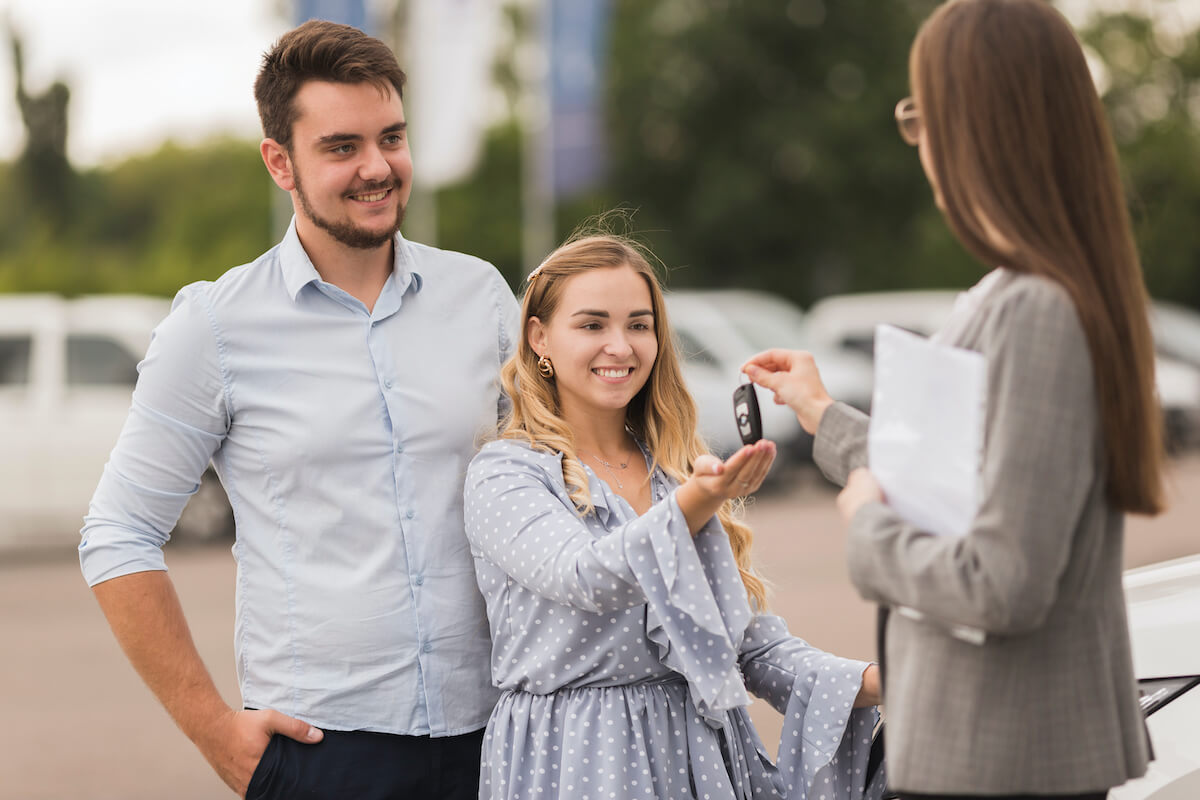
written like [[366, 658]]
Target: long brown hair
[[1019, 146], [662, 415]]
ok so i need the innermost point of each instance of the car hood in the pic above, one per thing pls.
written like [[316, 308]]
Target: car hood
[[1164, 618]]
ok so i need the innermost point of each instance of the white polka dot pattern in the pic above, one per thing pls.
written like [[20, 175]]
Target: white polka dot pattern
[[625, 648]]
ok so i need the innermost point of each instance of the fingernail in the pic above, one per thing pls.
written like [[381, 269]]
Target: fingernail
[[314, 734]]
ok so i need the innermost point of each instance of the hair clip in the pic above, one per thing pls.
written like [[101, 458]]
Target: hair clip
[[529, 278]]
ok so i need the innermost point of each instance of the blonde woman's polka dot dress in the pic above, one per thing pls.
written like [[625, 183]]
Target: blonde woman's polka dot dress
[[625, 648]]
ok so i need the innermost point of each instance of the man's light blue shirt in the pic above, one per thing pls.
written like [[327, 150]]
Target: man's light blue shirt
[[342, 437]]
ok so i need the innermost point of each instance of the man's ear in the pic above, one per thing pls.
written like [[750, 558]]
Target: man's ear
[[279, 164], [535, 331]]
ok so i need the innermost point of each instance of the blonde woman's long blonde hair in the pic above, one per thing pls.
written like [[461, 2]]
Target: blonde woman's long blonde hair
[[662, 415]]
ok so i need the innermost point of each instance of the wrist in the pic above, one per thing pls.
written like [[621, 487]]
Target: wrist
[[697, 495], [697, 504], [208, 722], [811, 419]]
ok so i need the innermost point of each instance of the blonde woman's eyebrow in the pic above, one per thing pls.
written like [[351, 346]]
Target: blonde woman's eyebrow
[[588, 312]]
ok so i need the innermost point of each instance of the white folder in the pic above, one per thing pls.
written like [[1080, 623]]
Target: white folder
[[925, 441]]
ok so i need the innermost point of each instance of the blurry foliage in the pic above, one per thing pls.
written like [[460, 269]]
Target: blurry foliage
[[757, 139], [754, 139], [1151, 77], [482, 215], [149, 224]]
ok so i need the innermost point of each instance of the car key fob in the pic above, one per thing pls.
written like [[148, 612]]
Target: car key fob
[[745, 411]]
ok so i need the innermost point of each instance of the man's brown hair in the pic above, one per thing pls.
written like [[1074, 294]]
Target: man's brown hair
[[319, 51]]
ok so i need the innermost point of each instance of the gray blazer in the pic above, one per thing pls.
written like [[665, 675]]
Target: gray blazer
[[1047, 704]]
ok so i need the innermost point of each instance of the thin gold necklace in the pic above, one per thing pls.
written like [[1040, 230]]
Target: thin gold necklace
[[610, 467]]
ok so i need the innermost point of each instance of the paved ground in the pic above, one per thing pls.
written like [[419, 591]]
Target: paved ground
[[76, 722]]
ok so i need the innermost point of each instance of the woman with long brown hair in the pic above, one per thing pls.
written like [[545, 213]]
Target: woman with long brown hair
[[627, 622], [1013, 138]]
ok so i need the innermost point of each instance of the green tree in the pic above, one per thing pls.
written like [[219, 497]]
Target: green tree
[[1151, 78], [149, 224], [756, 138]]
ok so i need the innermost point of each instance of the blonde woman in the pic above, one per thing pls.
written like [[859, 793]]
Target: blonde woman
[[626, 620], [1014, 142]]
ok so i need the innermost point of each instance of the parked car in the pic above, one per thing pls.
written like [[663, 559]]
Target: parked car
[[1177, 339], [768, 320], [712, 352], [1164, 625], [1176, 331], [847, 322], [67, 371]]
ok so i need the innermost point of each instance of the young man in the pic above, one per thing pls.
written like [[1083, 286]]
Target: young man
[[339, 384]]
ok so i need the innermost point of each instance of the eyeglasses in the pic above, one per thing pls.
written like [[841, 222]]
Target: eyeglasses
[[908, 120]]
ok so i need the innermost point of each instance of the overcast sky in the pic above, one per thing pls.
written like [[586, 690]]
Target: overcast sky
[[142, 71]]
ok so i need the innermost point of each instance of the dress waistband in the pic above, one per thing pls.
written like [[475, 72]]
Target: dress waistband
[[662, 680]]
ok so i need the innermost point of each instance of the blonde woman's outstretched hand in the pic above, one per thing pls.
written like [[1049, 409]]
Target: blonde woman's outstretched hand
[[713, 481], [792, 375]]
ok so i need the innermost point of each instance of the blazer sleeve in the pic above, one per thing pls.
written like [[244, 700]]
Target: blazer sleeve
[[840, 446], [1040, 466]]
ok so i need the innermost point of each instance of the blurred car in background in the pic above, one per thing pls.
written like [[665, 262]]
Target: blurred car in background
[[847, 322], [712, 353], [1176, 331], [768, 321], [1177, 339], [1163, 601], [67, 371], [717, 330]]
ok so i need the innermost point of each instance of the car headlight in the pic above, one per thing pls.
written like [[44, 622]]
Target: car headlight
[[1154, 693]]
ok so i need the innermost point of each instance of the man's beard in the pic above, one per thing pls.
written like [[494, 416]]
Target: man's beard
[[346, 233]]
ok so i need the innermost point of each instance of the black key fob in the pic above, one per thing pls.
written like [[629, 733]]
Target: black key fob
[[745, 411]]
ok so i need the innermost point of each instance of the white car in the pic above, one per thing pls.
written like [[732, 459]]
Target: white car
[[847, 322], [1176, 331], [1177, 338], [67, 371], [1164, 625], [768, 320], [712, 351]]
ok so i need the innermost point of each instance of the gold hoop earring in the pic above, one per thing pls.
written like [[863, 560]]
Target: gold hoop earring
[[545, 367]]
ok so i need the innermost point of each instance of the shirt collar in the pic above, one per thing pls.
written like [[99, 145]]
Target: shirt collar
[[298, 269]]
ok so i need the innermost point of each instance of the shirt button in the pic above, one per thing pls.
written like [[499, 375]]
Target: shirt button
[[426, 648], [399, 448], [409, 514], [419, 580], [388, 383]]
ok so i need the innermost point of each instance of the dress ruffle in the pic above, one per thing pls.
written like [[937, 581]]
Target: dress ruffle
[[697, 633]]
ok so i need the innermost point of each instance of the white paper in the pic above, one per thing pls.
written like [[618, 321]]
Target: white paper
[[925, 442]]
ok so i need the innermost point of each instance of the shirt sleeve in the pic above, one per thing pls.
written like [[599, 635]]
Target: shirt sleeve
[[825, 744], [177, 420], [1039, 466], [507, 336]]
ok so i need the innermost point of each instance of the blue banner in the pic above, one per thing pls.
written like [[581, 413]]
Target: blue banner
[[578, 48], [347, 12]]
